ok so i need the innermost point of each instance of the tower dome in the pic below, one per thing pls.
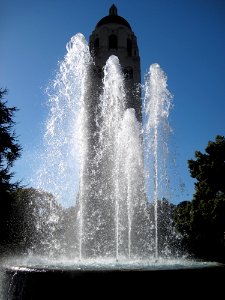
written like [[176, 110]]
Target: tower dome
[[113, 18]]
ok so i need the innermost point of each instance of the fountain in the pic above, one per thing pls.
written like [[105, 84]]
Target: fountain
[[98, 153]]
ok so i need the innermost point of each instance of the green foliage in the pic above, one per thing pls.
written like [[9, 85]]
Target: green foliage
[[10, 150], [202, 225], [208, 227], [209, 170], [202, 220]]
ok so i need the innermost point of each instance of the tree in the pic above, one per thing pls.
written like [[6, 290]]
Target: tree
[[209, 170], [10, 150], [202, 221]]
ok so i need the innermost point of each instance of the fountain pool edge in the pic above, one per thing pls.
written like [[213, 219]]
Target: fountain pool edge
[[42, 283]]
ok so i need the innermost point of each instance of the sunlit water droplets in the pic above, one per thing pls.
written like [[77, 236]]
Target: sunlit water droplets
[[59, 162]]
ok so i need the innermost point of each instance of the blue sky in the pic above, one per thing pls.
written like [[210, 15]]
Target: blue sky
[[186, 38]]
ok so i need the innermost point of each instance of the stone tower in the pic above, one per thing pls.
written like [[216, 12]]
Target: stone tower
[[113, 36]]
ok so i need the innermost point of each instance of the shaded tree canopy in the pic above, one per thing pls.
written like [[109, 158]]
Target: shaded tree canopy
[[209, 170], [202, 220], [10, 150]]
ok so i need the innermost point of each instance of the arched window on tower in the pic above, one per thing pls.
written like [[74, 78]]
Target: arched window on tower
[[113, 42], [129, 47]]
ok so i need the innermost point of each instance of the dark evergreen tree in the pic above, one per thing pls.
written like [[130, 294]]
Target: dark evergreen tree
[[10, 150]]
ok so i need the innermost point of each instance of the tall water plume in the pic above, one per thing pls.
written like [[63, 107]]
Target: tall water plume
[[66, 124], [157, 106], [64, 152], [133, 205]]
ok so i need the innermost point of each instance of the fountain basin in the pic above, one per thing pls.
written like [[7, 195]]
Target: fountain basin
[[67, 280]]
